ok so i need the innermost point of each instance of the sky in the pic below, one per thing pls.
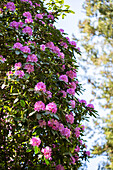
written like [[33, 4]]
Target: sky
[[70, 26]]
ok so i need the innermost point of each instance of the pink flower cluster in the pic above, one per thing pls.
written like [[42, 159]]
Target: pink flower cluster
[[39, 16], [52, 107], [70, 118], [32, 58], [35, 141], [28, 30], [42, 47], [59, 167], [64, 44], [25, 49], [63, 92], [63, 78], [2, 59], [77, 132], [39, 106], [49, 94], [72, 103], [40, 87], [42, 123], [19, 73], [71, 74], [17, 45], [91, 106], [10, 6], [77, 149], [17, 66], [29, 17], [47, 152], [29, 68], [50, 16], [60, 127], [15, 24]]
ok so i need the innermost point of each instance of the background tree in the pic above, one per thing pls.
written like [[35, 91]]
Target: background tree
[[97, 40]]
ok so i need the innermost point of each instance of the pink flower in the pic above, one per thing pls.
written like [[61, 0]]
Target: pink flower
[[40, 87], [82, 101], [49, 94], [77, 132], [64, 93], [17, 66], [73, 85], [25, 49], [29, 67], [42, 47], [10, 6], [50, 45], [61, 30], [47, 152], [72, 160], [32, 58], [35, 141], [77, 149], [87, 153], [20, 24], [63, 67], [90, 105], [70, 118], [72, 103], [28, 30], [14, 24], [19, 73], [50, 16], [40, 16], [61, 55], [83, 127], [42, 123], [17, 45], [27, 14], [59, 167], [1, 11], [71, 91], [2, 59], [39, 106], [73, 43], [71, 74], [52, 107], [66, 132], [63, 78], [28, 20], [61, 127], [51, 122]]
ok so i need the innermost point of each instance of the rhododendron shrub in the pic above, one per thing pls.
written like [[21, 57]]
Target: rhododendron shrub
[[40, 114]]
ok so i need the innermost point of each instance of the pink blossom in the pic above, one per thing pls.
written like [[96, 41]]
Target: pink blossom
[[14, 24], [55, 125], [77, 132], [35, 141], [1, 10], [63, 78], [27, 14], [66, 132], [76, 157], [17, 66], [82, 101], [28, 30], [28, 20], [29, 67], [50, 45], [61, 55], [42, 47], [42, 22], [37, 4], [32, 58], [49, 94], [87, 153], [77, 149], [61, 127], [10, 6], [72, 160], [51, 122], [17, 45], [50, 16], [59, 167], [90, 105], [61, 30], [39, 106], [40, 87], [56, 50], [70, 118], [72, 103], [42, 123], [25, 49], [83, 127], [40, 16], [71, 91], [73, 85], [19, 73], [20, 24], [73, 43], [47, 152], [64, 93], [52, 107], [71, 74], [2, 59], [63, 67]]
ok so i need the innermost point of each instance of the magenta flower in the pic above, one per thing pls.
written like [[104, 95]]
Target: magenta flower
[[40, 87], [70, 118], [42, 123], [71, 74], [17, 66], [52, 107], [47, 152], [87, 153], [19, 73], [64, 93], [59, 167], [10, 6], [77, 132], [14, 24], [72, 103], [2, 59], [35, 141], [61, 55], [61, 127], [17, 45], [49, 94], [73, 43], [28, 20], [66, 132], [50, 16], [39, 106], [20, 24], [27, 14], [77, 149], [90, 105], [50, 45], [40, 16], [63, 78], [25, 49], [29, 67], [71, 91], [73, 85], [61, 30], [42, 47], [28, 30], [32, 58]]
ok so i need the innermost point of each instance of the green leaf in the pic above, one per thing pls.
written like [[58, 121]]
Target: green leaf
[[46, 161], [28, 150], [22, 103], [36, 149]]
